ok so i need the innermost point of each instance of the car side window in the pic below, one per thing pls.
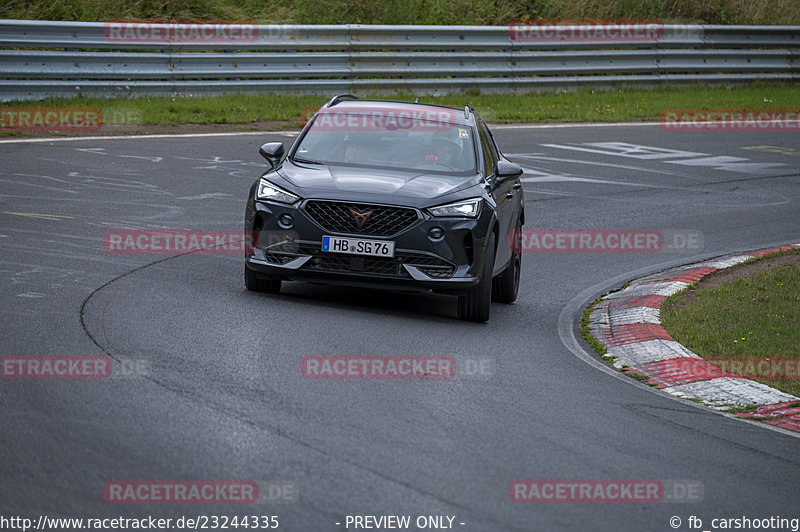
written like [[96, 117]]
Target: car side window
[[488, 149], [493, 143]]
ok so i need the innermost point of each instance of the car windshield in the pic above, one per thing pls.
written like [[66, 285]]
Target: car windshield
[[409, 140]]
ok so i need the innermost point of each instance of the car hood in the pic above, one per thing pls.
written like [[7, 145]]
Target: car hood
[[340, 179]]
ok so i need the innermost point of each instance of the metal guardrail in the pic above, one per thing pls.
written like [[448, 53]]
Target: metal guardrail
[[40, 59]]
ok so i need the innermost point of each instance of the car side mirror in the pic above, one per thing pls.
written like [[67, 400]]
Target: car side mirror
[[272, 152], [507, 170]]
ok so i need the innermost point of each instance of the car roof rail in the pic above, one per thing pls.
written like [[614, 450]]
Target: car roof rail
[[467, 110], [339, 97]]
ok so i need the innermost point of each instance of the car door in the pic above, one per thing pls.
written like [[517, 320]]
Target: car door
[[504, 196], [516, 184]]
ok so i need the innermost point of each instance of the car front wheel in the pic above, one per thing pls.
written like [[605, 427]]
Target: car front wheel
[[476, 303], [506, 285]]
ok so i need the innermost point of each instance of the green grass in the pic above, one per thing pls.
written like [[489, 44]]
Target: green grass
[[750, 319], [470, 12], [576, 106], [587, 335], [639, 377]]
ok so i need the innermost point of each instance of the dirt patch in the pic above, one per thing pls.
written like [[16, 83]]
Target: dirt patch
[[740, 271], [158, 129]]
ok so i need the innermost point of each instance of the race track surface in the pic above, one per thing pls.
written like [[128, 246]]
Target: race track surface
[[219, 394]]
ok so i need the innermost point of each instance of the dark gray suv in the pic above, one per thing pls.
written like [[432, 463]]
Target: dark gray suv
[[398, 195]]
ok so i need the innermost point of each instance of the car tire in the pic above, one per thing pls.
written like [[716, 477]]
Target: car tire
[[476, 303], [256, 284], [506, 285]]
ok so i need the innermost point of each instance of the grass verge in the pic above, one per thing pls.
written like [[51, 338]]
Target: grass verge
[[748, 325], [275, 111], [471, 12]]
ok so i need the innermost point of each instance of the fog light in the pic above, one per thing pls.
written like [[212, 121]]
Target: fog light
[[285, 220], [436, 233]]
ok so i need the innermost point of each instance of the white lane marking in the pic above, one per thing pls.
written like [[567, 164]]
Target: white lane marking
[[636, 151], [724, 162], [623, 149], [598, 163], [87, 181], [106, 182], [547, 178], [209, 195], [102, 151], [543, 176], [238, 168], [547, 192], [31, 295], [701, 180], [35, 185], [216, 159]]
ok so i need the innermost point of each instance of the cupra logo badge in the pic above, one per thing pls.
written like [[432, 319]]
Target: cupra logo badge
[[360, 217]]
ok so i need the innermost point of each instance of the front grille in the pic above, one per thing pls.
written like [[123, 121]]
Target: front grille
[[338, 217], [335, 262]]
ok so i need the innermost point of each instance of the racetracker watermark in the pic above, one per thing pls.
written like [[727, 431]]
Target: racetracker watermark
[[605, 491], [115, 116], [605, 240], [202, 31], [72, 367], [156, 242], [378, 367], [56, 367], [586, 30], [730, 120], [381, 119], [756, 368], [50, 119], [200, 492]]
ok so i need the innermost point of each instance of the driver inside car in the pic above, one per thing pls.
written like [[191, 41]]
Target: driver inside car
[[446, 152], [354, 152]]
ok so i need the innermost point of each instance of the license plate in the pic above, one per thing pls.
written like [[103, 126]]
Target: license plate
[[358, 246]]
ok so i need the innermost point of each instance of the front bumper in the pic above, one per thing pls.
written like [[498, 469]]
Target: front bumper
[[447, 264]]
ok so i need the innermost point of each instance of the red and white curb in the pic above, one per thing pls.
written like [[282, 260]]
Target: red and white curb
[[627, 323]]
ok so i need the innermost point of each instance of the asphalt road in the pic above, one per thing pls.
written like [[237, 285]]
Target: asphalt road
[[217, 393]]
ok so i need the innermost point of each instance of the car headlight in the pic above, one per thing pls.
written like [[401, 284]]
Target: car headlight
[[467, 208], [268, 191]]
